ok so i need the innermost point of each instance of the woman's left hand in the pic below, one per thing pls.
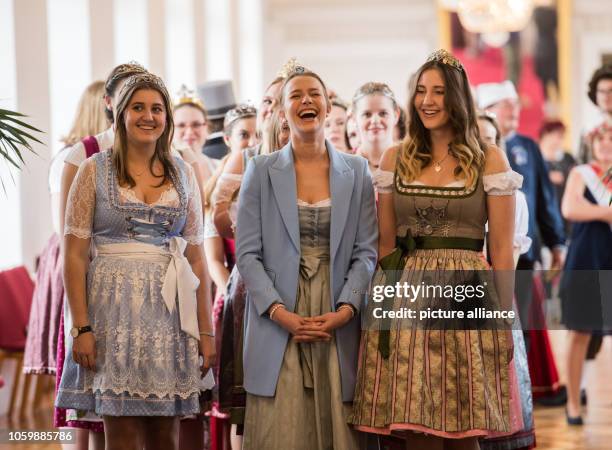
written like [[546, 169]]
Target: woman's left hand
[[208, 350]]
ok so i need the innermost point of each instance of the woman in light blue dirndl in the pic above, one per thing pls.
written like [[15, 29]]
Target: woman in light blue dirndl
[[141, 307]]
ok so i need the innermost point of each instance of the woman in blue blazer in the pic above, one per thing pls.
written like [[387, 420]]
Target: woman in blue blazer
[[306, 248]]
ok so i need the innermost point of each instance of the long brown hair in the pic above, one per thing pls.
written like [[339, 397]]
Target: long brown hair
[[162, 146], [90, 118], [467, 146]]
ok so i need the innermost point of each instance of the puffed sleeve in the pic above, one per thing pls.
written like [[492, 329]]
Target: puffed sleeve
[[502, 183], [81, 202], [521, 224], [383, 181], [193, 232]]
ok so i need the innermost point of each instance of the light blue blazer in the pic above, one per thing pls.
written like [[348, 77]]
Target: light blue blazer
[[268, 254]]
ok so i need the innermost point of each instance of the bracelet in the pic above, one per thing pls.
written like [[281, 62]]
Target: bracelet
[[274, 309], [207, 333], [347, 306]]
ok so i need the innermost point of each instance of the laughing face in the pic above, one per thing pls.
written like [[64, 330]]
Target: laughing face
[[305, 105], [145, 117], [429, 100]]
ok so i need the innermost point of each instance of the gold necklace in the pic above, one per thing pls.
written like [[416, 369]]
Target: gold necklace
[[438, 164]]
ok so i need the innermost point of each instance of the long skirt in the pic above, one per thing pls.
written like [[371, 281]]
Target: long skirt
[[307, 412], [41, 344], [448, 383]]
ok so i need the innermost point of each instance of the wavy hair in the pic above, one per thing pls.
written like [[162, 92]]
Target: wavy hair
[[162, 146], [466, 146]]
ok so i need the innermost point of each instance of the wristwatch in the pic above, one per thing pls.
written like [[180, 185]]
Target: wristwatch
[[75, 332]]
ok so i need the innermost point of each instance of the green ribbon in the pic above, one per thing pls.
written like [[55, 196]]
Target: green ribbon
[[393, 264]]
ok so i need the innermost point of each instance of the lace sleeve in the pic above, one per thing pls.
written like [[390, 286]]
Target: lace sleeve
[[502, 183], [383, 181], [210, 231], [227, 185], [193, 232], [81, 202]]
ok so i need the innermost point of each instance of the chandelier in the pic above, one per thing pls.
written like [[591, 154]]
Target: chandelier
[[491, 16]]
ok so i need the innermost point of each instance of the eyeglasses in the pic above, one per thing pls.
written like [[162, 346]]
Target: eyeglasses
[[192, 125]]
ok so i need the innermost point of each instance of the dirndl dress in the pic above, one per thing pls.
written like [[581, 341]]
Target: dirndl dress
[[141, 296]]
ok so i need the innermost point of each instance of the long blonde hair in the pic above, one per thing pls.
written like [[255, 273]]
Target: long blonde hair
[[90, 118], [467, 146], [162, 146]]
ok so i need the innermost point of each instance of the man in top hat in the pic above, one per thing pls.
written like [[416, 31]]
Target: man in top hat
[[525, 158], [218, 96]]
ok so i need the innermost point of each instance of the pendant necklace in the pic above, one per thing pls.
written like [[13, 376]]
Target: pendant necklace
[[438, 164]]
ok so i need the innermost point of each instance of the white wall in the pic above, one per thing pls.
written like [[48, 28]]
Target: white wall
[[592, 36], [350, 42]]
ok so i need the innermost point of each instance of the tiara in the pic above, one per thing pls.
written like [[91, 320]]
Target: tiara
[[291, 67], [239, 112], [145, 78], [186, 96], [131, 68], [374, 88], [447, 58]]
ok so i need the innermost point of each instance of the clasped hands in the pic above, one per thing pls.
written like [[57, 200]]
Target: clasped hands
[[312, 329]]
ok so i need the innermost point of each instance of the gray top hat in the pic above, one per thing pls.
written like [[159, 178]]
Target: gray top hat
[[218, 97]]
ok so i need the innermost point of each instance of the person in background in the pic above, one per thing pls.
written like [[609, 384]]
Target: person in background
[[525, 158], [352, 133], [75, 156], [218, 96], [376, 113], [335, 125], [600, 94], [399, 132], [524, 438], [191, 132], [560, 162], [585, 302]]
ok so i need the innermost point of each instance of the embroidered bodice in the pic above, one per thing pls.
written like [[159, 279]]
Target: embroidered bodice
[[99, 208]]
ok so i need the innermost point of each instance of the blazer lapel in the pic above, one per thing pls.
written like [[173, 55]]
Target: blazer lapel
[[341, 179], [282, 177]]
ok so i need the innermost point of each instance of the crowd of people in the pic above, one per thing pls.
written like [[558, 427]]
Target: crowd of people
[[206, 283]]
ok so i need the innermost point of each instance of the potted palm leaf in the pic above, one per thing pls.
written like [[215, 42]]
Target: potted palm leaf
[[15, 137]]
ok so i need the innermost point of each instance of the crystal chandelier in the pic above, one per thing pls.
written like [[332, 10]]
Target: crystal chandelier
[[491, 16]]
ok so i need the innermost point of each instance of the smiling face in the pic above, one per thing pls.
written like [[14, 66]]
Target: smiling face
[[242, 134], [376, 117], [335, 127], [190, 126], [145, 117], [305, 104], [429, 100]]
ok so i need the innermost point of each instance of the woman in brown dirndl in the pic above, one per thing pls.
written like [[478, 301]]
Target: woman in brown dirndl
[[440, 387]]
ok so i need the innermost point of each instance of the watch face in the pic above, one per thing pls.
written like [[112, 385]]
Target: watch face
[[74, 332]]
